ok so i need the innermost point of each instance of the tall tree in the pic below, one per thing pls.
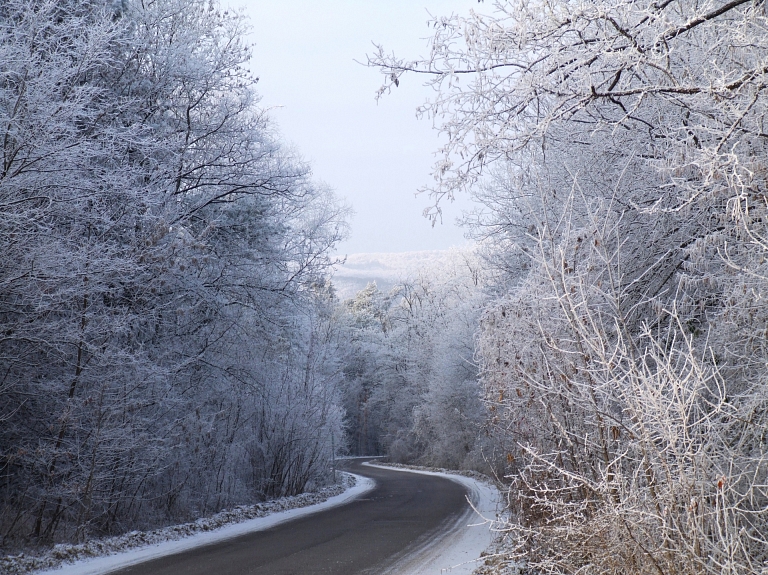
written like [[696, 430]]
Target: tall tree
[[160, 249], [629, 154]]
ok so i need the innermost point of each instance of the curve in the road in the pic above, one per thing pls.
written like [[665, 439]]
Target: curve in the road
[[402, 513]]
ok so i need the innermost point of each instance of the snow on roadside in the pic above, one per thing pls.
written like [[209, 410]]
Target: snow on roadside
[[105, 555], [461, 550]]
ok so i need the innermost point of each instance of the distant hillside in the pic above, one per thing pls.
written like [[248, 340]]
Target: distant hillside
[[386, 269]]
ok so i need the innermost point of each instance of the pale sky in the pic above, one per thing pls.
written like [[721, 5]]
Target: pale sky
[[374, 155]]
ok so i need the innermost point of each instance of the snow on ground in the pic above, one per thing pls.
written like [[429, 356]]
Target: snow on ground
[[459, 551], [174, 539]]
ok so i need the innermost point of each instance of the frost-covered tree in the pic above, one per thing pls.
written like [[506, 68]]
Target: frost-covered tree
[[411, 377], [623, 361], [158, 295]]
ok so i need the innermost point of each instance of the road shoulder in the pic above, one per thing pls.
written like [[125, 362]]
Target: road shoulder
[[176, 543]]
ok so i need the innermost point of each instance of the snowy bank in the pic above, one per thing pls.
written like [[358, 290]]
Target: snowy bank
[[459, 551], [105, 555]]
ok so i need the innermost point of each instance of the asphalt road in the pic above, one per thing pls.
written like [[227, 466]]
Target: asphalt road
[[402, 513]]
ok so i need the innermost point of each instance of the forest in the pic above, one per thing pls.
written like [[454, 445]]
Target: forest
[[172, 343], [165, 300]]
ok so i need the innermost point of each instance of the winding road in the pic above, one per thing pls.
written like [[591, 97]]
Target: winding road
[[374, 534]]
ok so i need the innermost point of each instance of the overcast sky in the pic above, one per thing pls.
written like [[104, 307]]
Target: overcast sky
[[374, 155]]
